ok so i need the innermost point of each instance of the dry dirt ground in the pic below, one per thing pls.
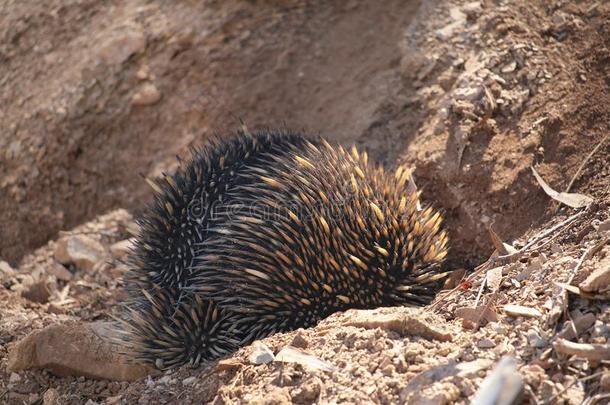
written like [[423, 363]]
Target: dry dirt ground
[[473, 94]]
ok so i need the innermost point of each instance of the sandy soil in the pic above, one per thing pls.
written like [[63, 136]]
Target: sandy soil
[[472, 93]]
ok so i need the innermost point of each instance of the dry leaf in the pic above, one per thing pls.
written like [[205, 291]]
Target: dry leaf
[[293, 355], [501, 248], [573, 200]]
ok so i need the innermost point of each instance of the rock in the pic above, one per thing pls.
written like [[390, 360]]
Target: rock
[[486, 343], [604, 382], [14, 378], [50, 397], [599, 280], [299, 341], [148, 94], [74, 349], [472, 93], [6, 270], [37, 292], [116, 400], [120, 249], [604, 226], [261, 354], [119, 46], [520, 310], [59, 271], [189, 381], [535, 340], [81, 250], [143, 73]]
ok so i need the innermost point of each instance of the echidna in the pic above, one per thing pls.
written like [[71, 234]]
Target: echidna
[[270, 232]]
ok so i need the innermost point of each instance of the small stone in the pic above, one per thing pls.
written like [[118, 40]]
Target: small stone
[[604, 226], [166, 379], [509, 67], [6, 270], [116, 400], [599, 280], [520, 310], [37, 292], [14, 378], [467, 93], [148, 94], [50, 397], [261, 354], [189, 381], [486, 343], [299, 341], [535, 340], [81, 250], [498, 328], [143, 73]]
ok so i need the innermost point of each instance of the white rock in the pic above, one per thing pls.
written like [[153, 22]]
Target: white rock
[[81, 250], [14, 378], [189, 381], [261, 354], [148, 94], [6, 269]]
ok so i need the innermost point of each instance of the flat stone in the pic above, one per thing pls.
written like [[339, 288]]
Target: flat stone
[[74, 349], [50, 397], [261, 354], [80, 250]]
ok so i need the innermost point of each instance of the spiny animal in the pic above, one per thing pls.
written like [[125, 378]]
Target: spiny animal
[[270, 232]]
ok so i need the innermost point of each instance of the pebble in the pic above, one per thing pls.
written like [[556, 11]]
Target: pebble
[[486, 343], [535, 340], [261, 354], [148, 94], [189, 381], [14, 378], [50, 397], [299, 341], [6, 269]]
